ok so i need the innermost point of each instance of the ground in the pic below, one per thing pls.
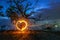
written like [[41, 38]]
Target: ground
[[33, 35]]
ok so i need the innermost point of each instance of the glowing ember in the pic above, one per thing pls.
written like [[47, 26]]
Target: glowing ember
[[21, 25]]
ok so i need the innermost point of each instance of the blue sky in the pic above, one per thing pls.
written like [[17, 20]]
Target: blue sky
[[41, 4], [48, 8]]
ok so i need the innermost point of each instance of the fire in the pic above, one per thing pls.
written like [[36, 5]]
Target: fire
[[22, 24]]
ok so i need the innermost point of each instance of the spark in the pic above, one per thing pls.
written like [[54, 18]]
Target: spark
[[23, 23]]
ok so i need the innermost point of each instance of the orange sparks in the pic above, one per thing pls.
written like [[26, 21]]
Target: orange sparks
[[22, 24]]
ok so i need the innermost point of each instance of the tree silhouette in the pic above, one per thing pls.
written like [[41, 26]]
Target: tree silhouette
[[1, 13], [18, 8]]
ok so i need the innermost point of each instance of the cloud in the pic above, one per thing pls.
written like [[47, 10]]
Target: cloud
[[51, 12]]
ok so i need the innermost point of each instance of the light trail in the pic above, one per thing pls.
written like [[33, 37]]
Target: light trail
[[23, 25]]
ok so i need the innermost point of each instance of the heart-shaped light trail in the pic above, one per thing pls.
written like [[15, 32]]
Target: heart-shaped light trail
[[23, 25]]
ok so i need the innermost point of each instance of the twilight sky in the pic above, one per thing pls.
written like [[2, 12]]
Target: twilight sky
[[46, 7]]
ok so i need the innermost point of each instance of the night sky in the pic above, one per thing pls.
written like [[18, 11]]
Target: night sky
[[45, 7]]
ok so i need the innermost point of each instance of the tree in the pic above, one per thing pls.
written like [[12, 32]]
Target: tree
[[18, 7], [1, 13]]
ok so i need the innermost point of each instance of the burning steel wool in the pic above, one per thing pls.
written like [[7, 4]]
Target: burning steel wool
[[22, 24]]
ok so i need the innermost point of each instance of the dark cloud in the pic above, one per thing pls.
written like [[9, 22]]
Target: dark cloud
[[53, 12]]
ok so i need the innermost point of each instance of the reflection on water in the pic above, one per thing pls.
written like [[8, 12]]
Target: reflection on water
[[29, 35]]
